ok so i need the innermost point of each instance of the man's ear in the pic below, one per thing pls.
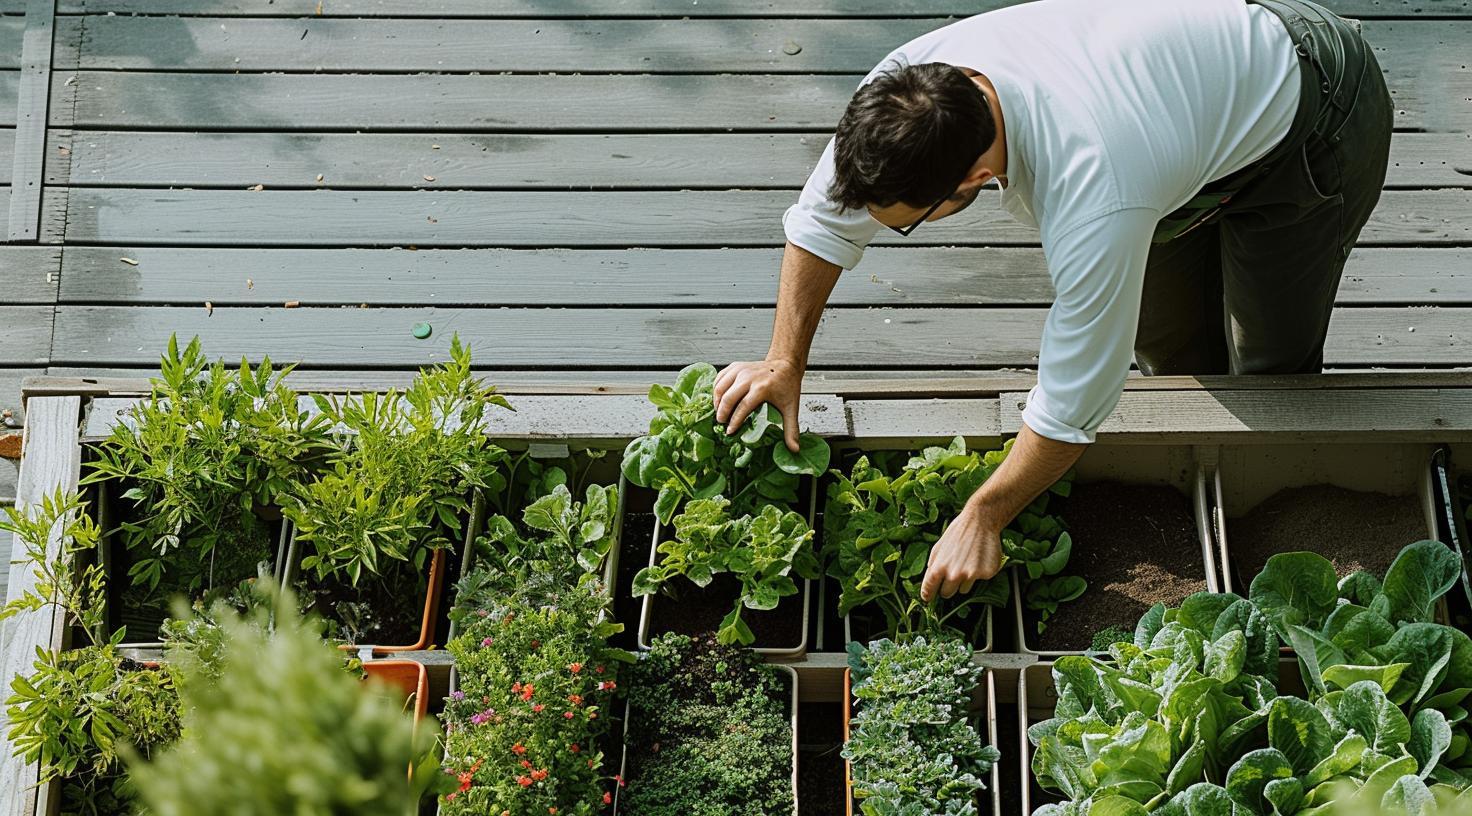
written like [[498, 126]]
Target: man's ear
[[979, 175]]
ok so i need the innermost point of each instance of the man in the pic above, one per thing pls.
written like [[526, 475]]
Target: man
[[1198, 171]]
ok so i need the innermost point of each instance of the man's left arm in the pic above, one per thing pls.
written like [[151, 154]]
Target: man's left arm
[[1088, 343]]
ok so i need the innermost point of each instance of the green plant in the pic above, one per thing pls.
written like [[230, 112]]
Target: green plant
[[567, 537], [528, 478], [763, 551], [525, 730], [79, 708], [884, 516], [1108, 636], [688, 455], [708, 733], [913, 747], [203, 458], [401, 485], [283, 729]]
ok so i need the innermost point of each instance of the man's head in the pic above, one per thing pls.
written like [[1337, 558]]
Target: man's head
[[909, 139]]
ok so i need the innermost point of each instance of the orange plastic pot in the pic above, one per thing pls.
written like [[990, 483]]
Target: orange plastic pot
[[428, 617], [408, 677]]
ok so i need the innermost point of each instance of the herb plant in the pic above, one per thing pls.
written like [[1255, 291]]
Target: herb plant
[[204, 459], [525, 731], [401, 486], [763, 551], [884, 516], [708, 733], [79, 708], [913, 747], [281, 728], [566, 537], [688, 455]]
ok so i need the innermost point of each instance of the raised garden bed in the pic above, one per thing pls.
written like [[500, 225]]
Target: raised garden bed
[[1138, 519]]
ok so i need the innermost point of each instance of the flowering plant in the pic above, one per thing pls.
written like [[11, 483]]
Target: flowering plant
[[526, 728]]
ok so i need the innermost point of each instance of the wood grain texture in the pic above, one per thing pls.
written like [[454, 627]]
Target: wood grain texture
[[652, 338], [7, 153], [9, 95], [25, 335], [447, 218], [51, 462], [888, 276], [1435, 414], [695, 161], [29, 275], [33, 100], [771, 103], [11, 33], [907, 420], [656, 8]]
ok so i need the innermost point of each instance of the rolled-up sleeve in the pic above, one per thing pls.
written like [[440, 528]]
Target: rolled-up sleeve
[[1098, 271], [816, 224]]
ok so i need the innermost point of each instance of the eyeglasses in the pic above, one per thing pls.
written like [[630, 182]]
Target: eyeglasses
[[905, 231]]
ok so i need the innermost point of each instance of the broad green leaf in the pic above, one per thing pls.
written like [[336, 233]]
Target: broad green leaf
[[694, 379], [1224, 658], [1421, 574], [1250, 775], [1430, 739], [1298, 730], [1298, 588], [1409, 796], [647, 581], [1342, 677], [1285, 794], [810, 459], [1345, 756], [1364, 708]]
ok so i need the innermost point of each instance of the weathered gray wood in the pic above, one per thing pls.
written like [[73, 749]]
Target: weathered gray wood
[[1432, 414], [650, 338], [715, 161], [7, 153], [11, 381], [52, 461], [889, 276], [655, 8], [905, 420], [31, 119], [9, 93], [11, 30], [508, 104], [539, 219], [538, 417], [25, 335], [1405, 48], [29, 275]]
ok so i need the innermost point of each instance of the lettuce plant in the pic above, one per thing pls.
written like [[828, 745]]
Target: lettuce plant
[[884, 516], [564, 536], [688, 455], [914, 749], [763, 551]]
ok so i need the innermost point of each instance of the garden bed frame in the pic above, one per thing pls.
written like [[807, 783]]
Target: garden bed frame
[[1209, 415]]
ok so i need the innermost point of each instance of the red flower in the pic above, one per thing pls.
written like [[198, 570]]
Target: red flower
[[607, 685], [516, 687], [527, 691], [575, 667], [598, 669], [524, 781], [539, 774], [518, 749], [575, 699], [552, 810], [537, 709], [567, 714], [619, 779], [574, 748], [607, 798], [526, 763], [464, 778]]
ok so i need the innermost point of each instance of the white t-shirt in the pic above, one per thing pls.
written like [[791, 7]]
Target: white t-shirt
[[1116, 114]]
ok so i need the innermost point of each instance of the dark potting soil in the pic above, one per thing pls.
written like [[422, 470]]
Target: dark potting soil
[[1137, 546], [820, 787], [693, 610], [1007, 739], [1354, 530], [634, 544], [382, 610]]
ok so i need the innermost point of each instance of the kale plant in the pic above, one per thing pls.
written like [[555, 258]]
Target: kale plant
[[914, 749], [708, 733]]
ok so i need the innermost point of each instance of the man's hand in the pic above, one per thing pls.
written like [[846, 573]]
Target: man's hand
[[742, 388], [970, 551]]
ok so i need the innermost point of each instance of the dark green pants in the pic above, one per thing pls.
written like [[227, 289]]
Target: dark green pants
[[1250, 290]]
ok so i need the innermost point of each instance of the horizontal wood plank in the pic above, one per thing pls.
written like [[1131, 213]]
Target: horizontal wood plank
[[889, 276], [11, 31], [29, 275], [510, 104], [695, 161], [908, 420], [7, 153], [9, 97], [652, 8], [435, 218], [25, 335], [1433, 414], [645, 338]]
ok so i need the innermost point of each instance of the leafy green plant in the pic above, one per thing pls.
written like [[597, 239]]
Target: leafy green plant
[[884, 516], [281, 728], [708, 733], [763, 551], [401, 485], [203, 459], [526, 728], [688, 455], [565, 536], [913, 747], [1108, 636], [78, 709]]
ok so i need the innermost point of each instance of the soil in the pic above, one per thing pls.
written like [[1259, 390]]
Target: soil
[[634, 543], [1008, 741], [820, 788], [1137, 546], [395, 598], [1354, 530], [693, 610]]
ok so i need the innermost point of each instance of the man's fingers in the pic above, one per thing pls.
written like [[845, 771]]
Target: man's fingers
[[950, 585], [743, 410], [967, 587], [723, 380], [932, 582], [735, 392], [789, 428]]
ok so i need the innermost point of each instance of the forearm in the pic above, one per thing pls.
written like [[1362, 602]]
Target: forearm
[[1033, 465], [803, 291]]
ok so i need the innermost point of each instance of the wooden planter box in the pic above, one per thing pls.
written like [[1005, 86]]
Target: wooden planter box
[[1152, 464], [786, 672], [984, 705], [802, 600]]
